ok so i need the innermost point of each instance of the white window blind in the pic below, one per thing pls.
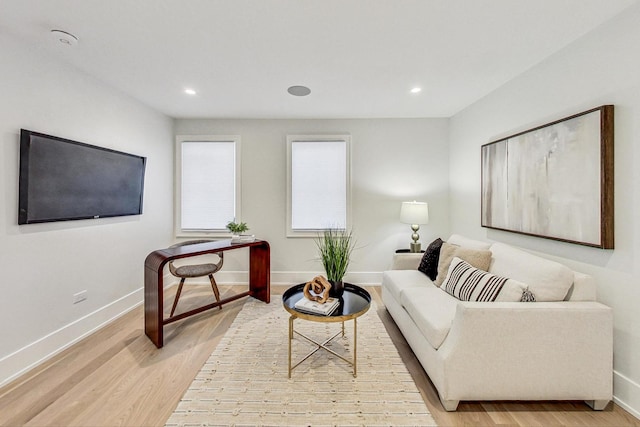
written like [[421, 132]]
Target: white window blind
[[319, 181], [208, 187]]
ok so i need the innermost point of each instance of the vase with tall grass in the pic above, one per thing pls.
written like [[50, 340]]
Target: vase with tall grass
[[335, 247]]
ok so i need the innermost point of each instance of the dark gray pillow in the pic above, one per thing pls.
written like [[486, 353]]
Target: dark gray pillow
[[429, 263]]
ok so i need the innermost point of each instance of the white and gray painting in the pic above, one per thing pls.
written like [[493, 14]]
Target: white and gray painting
[[546, 182]]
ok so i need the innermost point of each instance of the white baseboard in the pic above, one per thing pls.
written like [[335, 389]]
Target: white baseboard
[[295, 277], [32, 355], [626, 394]]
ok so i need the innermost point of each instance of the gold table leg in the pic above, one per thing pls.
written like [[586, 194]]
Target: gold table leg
[[290, 339], [323, 346], [355, 346]]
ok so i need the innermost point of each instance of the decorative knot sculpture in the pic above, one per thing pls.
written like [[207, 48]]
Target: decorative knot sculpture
[[317, 289]]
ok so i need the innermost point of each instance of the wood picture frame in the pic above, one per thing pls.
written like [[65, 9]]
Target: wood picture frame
[[553, 181]]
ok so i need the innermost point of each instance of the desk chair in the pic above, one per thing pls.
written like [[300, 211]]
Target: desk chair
[[195, 270]]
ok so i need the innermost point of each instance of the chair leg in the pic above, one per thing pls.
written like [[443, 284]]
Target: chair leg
[[175, 301], [216, 292]]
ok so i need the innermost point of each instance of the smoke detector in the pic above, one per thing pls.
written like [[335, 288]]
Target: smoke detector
[[64, 37], [299, 90]]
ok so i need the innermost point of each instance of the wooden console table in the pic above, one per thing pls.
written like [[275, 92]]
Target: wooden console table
[[259, 280]]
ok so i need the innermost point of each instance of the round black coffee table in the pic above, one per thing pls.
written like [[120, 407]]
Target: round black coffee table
[[354, 302]]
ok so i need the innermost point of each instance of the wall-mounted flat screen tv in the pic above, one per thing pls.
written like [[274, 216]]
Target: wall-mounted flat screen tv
[[64, 180]]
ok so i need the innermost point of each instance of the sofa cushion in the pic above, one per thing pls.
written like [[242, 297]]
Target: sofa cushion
[[465, 242], [468, 283], [548, 280], [395, 281], [429, 263], [432, 310], [478, 258]]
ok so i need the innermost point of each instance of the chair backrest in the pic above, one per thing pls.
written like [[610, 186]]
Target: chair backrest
[[220, 255]]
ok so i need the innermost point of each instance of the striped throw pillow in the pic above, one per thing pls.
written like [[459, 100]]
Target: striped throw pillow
[[468, 283]]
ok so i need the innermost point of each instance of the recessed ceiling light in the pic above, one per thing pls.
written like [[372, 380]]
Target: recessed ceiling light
[[64, 37], [190, 91], [416, 90], [299, 90]]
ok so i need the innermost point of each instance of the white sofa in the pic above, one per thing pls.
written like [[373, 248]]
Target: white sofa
[[543, 350]]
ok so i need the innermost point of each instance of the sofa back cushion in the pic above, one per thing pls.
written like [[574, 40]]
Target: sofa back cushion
[[547, 280], [468, 283], [583, 288], [465, 242]]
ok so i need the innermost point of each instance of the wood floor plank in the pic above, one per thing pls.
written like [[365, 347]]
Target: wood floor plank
[[117, 377]]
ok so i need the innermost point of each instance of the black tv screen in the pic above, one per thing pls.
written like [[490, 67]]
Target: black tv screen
[[64, 180]]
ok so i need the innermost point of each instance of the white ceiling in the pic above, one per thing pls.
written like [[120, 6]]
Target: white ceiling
[[359, 57]]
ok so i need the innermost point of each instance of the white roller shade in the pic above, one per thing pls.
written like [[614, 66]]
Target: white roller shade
[[208, 187], [319, 178]]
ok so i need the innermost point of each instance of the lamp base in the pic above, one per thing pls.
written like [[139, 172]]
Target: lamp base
[[415, 247]]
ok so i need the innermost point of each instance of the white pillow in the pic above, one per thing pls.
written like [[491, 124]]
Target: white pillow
[[468, 283], [548, 280]]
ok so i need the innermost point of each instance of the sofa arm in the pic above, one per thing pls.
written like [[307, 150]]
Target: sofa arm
[[406, 261], [529, 351]]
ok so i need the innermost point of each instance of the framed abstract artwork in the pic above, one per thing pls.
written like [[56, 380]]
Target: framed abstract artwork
[[553, 181]]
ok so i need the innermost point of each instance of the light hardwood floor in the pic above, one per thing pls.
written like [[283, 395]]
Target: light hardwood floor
[[116, 377]]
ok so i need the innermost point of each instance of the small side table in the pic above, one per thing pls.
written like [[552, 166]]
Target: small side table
[[407, 251], [354, 302]]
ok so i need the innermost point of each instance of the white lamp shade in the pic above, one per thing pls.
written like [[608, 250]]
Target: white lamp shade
[[414, 213]]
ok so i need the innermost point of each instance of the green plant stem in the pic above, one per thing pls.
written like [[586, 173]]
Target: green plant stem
[[335, 247]]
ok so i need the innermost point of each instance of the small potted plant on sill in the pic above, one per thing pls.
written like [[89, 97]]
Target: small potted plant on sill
[[335, 247], [237, 229]]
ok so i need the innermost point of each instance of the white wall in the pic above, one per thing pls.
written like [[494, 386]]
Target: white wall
[[601, 68], [393, 160], [43, 265]]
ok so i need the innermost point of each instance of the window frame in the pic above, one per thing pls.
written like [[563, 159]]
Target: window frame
[[306, 233], [207, 233]]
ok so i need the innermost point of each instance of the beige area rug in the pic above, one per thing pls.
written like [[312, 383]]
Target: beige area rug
[[245, 383]]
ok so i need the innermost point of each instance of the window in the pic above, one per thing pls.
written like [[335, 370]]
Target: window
[[317, 184], [207, 184]]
